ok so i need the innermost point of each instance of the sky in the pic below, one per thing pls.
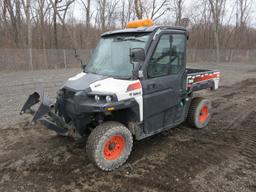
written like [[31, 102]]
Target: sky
[[191, 9]]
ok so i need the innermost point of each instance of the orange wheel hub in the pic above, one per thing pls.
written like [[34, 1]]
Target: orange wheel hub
[[114, 147], [204, 114]]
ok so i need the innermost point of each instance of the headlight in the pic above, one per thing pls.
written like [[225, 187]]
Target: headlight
[[108, 99], [97, 98]]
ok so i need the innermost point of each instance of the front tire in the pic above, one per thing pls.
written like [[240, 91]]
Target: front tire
[[199, 113], [109, 145]]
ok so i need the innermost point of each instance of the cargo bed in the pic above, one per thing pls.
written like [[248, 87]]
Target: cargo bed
[[198, 79]]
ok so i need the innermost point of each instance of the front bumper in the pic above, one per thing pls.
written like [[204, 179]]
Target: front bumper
[[71, 113]]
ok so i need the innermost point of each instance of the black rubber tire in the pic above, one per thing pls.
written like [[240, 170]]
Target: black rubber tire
[[195, 110], [96, 142]]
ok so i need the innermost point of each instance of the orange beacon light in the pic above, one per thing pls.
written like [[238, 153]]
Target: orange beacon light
[[140, 23]]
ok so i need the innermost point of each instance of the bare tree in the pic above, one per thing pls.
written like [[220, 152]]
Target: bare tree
[[138, 9], [126, 12], [55, 22], [9, 6], [243, 9], [217, 8], [60, 8], [153, 9], [42, 10], [28, 19], [87, 5], [177, 7], [159, 8], [102, 9], [27, 8], [106, 13], [50, 22], [111, 13], [62, 18]]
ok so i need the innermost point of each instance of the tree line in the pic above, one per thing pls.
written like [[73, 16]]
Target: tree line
[[47, 24]]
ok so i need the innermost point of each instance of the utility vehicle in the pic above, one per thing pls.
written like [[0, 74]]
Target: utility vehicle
[[135, 85]]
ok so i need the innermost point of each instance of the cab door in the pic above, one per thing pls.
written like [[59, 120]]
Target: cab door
[[165, 82]]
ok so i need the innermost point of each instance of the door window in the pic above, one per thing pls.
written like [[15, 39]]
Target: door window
[[168, 57]]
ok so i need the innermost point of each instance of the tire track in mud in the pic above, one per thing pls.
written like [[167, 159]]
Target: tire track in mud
[[247, 146], [235, 122], [238, 171], [182, 159], [242, 121]]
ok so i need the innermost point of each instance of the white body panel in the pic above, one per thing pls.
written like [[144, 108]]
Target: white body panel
[[77, 76], [119, 87]]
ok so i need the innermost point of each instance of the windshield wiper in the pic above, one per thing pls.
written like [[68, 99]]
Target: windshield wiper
[[122, 77], [90, 71]]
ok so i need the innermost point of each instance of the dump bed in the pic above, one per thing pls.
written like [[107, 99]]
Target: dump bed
[[198, 79]]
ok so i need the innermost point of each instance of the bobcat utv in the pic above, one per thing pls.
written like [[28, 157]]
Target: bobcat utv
[[135, 85]]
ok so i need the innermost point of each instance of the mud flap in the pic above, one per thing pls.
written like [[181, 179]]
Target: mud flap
[[44, 113]]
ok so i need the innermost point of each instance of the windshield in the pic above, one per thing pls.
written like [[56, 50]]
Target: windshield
[[111, 56]]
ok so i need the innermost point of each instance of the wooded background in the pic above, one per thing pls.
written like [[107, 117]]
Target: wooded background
[[37, 34]]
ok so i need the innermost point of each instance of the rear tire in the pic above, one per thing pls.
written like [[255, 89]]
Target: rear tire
[[109, 145], [199, 113]]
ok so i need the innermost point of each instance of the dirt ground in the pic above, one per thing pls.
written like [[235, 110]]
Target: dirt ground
[[221, 157]]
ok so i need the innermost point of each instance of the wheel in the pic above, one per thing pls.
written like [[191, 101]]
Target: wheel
[[109, 145], [199, 112]]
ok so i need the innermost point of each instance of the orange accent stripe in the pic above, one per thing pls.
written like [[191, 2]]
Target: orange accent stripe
[[206, 77], [134, 86]]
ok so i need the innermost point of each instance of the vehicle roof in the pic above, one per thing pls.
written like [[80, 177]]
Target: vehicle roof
[[143, 30]]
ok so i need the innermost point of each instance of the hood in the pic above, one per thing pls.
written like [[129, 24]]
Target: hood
[[82, 81]]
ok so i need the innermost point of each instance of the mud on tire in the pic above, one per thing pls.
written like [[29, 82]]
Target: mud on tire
[[109, 145], [199, 112]]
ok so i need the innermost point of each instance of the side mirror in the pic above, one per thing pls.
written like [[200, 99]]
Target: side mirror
[[137, 55]]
